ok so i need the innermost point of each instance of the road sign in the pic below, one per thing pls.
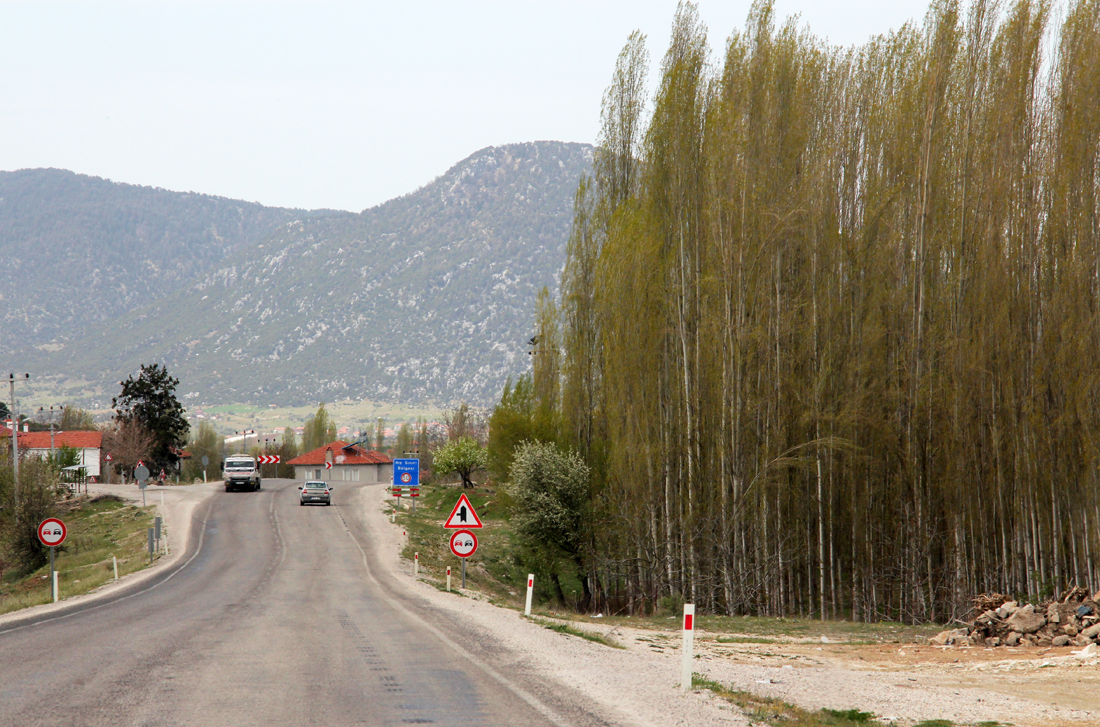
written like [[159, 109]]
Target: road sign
[[399, 491], [141, 472], [328, 465], [269, 459], [109, 458], [463, 516], [406, 472], [205, 460], [52, 531], [463, 543]]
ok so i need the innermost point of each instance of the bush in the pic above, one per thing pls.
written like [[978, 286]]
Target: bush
[[38, 495]]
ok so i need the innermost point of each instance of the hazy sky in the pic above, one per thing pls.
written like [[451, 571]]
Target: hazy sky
[[329, 104]]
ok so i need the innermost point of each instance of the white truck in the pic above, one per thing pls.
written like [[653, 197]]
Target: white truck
[[241, 471]]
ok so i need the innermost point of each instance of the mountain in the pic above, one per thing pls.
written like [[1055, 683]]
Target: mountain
[[81, 250], [425, 298]]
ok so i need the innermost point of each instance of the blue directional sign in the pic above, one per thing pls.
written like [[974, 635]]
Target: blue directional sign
[[406, 472]]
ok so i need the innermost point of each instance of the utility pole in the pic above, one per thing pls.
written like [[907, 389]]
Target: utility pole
[[15, 444]]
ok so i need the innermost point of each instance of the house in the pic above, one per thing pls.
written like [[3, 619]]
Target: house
[[350, 463], [89, 446]]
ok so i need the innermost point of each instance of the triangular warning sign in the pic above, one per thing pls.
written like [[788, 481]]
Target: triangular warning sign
[[463, 516]]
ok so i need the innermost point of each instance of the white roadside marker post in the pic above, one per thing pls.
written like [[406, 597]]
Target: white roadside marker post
[[448, 579], [689, 645], [416, 564], [114, 562], [530, 590]]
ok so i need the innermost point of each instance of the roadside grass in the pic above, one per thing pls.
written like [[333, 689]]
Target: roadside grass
[[777, 713], [498, 573], [493, 569], [564, 628], [97, 529]]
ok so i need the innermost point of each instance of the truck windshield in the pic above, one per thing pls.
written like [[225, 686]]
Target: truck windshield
[[238, 465]]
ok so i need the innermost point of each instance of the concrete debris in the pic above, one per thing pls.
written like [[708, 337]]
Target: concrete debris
[[1074, 620]]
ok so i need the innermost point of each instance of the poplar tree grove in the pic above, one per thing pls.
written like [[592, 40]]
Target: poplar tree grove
[[829, 335]]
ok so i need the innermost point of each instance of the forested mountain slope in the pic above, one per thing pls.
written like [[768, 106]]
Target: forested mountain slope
[[426, 297], [80, 250]]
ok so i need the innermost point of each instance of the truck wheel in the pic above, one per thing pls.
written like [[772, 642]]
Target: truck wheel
[[227, 488]]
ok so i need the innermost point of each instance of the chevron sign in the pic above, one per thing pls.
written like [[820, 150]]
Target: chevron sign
[[268, 459]]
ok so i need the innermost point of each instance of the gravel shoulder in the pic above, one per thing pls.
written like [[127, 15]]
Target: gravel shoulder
[[179, 506], [904, 683]]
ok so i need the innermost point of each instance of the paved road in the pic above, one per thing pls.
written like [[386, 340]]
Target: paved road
[[278, 615]]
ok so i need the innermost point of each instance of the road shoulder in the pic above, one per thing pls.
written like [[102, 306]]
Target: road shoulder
[[179, 506]]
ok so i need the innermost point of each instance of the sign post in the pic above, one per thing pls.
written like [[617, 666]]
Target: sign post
[[141, 474], [464, 542], [205, 461], [689, 645], [406, 475], [108, 459], [52, 532]]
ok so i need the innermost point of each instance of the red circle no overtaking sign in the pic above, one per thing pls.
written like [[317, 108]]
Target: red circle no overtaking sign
[[52, 531]]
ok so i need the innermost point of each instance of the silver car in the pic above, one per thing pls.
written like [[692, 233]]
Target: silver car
[[315, 491]]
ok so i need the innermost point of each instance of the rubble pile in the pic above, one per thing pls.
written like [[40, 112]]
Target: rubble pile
[[1072, 621]]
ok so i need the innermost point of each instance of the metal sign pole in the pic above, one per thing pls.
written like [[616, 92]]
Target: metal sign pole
[[53, 578], [464, 574]]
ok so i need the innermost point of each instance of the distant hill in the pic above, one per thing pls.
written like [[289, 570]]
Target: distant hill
[[428, 297], [81, 250]]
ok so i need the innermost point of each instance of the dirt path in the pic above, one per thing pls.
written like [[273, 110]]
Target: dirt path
[[902, 683]]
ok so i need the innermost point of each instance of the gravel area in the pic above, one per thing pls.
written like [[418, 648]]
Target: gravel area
[[639, 685]]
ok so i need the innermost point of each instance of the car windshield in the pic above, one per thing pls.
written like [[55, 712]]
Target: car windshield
[[246, 465]]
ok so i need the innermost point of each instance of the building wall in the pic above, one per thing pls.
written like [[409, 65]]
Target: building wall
[[368, 473], [89, 459]]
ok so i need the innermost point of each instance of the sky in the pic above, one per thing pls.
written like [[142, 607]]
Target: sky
[[339, 105]]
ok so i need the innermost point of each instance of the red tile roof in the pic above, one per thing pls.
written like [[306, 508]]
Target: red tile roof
[[41, 440], [352, 455]]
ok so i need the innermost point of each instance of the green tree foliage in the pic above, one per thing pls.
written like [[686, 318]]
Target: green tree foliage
[[319, 430], [205, 441], [831, 348], [76, 419], [288, 450], [150, 400], [518, 418], [551, 512], [380, 434], [404, 442], [463, 456], [63, 456], [38, 495]]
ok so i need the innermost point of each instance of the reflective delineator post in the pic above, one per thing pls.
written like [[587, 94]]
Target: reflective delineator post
[[689, 646], [114, 562], [416, 564], [448, 578], [530, 590]]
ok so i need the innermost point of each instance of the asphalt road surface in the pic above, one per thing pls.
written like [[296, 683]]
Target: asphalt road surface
[[276, 615]]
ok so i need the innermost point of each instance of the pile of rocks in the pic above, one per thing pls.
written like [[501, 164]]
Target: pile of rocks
[[1072, 621]]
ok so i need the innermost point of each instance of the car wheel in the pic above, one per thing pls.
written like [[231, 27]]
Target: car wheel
[[301, 503]]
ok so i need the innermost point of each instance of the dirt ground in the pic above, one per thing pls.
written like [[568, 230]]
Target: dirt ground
[[1062, 685]]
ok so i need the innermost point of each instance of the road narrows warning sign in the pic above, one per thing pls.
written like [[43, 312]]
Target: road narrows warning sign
[[463, 516]]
